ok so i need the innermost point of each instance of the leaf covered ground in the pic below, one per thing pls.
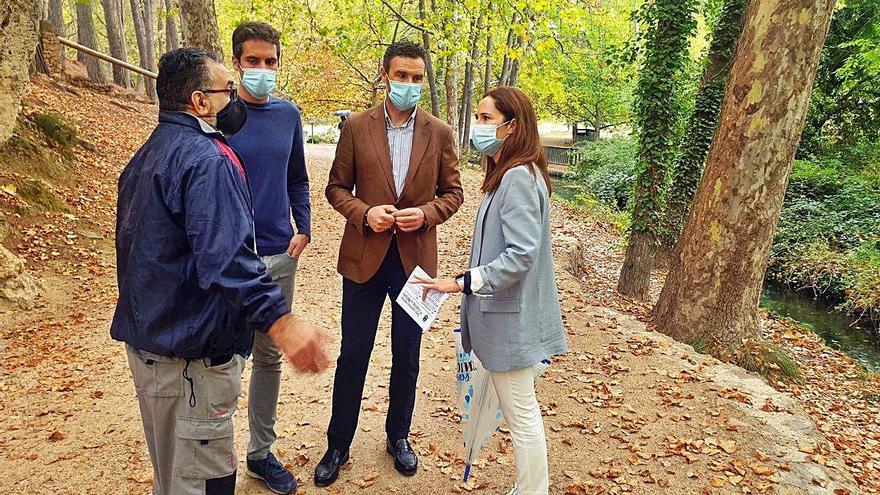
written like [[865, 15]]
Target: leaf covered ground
[[626, 411]]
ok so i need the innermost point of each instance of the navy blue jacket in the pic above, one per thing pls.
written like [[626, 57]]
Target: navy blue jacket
[[190, 282]]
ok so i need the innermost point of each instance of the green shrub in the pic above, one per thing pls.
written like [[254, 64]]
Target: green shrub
[[594, 208], [862, 281], [326, 137], [829, 231], [607, 170]]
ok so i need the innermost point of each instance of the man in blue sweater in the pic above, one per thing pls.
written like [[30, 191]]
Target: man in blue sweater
[[271, 146]]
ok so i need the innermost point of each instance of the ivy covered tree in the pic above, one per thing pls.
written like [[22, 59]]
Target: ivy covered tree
[[701, 125], [711, 295], [657, 116]]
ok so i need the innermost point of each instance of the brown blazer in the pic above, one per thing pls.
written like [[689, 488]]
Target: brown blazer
[[361, 177]]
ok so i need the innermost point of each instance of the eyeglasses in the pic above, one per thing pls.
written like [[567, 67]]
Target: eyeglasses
[[231, 90]]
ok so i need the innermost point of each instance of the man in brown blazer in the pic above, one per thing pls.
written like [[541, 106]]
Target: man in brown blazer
[[394, 179]]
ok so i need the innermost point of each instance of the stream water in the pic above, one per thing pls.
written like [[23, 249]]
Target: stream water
[[837, 329]]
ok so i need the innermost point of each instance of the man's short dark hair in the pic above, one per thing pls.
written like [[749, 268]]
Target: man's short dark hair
[[182, 72], [405, 49], [251, 30]]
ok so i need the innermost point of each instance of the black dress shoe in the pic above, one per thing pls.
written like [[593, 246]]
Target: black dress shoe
[[327, 470], [405, 460]]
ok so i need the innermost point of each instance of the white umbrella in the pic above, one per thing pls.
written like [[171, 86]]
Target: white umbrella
[[480, 409]]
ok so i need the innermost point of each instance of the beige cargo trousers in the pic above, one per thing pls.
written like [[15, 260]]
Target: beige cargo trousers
[[187, 407]]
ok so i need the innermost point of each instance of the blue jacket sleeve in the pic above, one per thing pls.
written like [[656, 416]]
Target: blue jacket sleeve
[[298, 182], [219, 225]]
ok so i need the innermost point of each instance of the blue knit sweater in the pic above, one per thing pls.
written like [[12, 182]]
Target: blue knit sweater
[[271, 146]]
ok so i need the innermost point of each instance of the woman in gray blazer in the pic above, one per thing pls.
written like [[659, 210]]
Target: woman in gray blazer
[[510, 314]]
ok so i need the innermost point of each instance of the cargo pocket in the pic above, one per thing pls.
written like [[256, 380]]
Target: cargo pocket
[[154, 375], [203, 448], [223, 386]]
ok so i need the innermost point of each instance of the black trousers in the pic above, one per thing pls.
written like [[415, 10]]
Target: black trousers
[[361, 308]]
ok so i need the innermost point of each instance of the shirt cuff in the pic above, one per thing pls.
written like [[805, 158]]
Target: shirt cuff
[[476, 279]]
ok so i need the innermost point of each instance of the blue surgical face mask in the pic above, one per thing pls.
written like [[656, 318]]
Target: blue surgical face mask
[[404, 96], [258, 82], [483, 136]]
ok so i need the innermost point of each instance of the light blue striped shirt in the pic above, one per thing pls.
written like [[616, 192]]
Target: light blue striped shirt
[[400, 141]]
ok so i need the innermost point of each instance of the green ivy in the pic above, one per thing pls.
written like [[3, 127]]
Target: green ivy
[[700, 130], [657, 114]]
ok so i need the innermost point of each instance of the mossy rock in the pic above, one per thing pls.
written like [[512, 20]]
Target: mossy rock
[[54, 127], [26, 153], [39, 194]]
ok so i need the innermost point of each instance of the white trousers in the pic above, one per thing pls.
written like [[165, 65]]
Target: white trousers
[[516, 391]]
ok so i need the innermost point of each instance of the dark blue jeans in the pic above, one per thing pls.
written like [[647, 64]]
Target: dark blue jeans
[[361, 308]]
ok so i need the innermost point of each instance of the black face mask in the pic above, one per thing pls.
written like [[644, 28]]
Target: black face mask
[[233, 116]]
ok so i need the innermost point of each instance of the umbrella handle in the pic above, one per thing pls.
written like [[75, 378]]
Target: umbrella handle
[[467, 472]]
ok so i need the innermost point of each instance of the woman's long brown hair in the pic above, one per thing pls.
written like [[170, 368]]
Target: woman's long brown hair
[[523, 147]]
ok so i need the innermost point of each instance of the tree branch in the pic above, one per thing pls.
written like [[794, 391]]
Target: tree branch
[[404, 19]]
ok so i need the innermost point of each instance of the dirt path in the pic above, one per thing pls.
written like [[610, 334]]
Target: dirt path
[[626, 411]]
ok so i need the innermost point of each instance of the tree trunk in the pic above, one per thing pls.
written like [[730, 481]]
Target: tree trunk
[[200, 18], [429, 65], [159, 28], [712, 293], [506, 64], [172, 41], [487, 73], [635, 275], [19, 32], [657, 118], [450, 81], [145, 44], [56, 17], [515, 65], [703, 121], [85, 35], [184, 32], [487, 70], [116, 39], [467, 100]]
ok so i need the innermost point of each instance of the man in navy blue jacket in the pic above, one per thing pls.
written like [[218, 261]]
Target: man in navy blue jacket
[[271, 145], [192, 289]]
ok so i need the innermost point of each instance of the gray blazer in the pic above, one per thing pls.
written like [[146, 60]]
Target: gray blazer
[[514, 320]]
